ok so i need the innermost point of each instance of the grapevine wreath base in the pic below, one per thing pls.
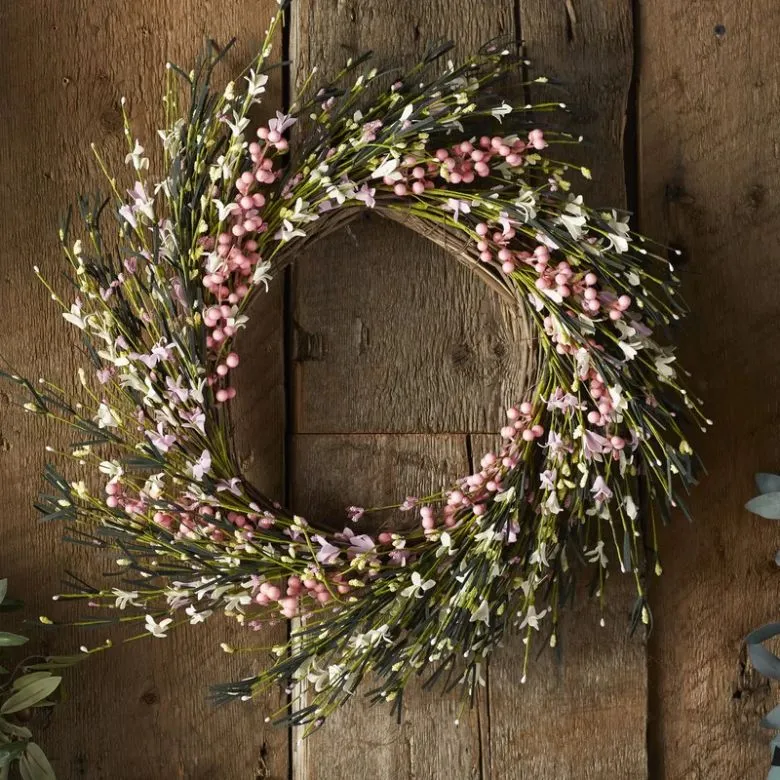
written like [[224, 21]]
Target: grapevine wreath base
[[164, 271]]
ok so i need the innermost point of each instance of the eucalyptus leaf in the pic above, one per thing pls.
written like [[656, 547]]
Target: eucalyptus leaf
[[764, 661], [3, 589], [30, 695], [11, 640], [772, 719], [16, 731], [28, 679], [768, 483], [766, 505], [34, 765], [10, 751]]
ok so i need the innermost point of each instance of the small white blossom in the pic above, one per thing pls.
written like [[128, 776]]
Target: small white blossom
[[125, 597], [418, 586], [157, 629]]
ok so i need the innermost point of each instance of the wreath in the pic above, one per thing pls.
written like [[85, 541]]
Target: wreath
[[163, 275]]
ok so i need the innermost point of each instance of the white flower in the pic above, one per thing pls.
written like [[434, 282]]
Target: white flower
[[532, 617], [106, 417], [80, 489], [238, 125], [202, 466], [481, 613], [261, 275], [111, 468], [237, 600], [597, 554], [539, 555], [157, 629], [125, 597], [526, 204], [224, 210], [572, 217], [418, 586], [256, 83], [663, 365], [501, 111], [74, 316], [620, 231], [386, 167], [197, 617], [137, 158]]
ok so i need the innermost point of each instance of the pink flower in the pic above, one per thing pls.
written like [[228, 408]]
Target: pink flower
[[600, 490], [327, 552], [160, 440], [355, 513], [366, 195], [595, 445], [202, 466]]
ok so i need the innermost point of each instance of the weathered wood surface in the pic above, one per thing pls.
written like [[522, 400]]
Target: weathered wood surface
[[709, 135], [140, 711], [395, 337], [402, 365]]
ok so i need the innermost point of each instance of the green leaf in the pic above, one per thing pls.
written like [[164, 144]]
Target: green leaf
[[30, 695], [34, 765], [768, 483], [766, 505], [11, 640], [27, 679], [21, 732], [3, 589], [10, 751]]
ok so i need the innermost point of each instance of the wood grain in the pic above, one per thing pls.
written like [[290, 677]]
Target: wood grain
[[709, 139], [139, 711], [363, 740], [583, 711], [399, 338]]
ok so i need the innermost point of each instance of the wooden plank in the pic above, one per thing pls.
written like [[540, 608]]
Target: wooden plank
[[583, 711], [393, 336], [363, 740], [709, 172], [138, 711], [396, 337]]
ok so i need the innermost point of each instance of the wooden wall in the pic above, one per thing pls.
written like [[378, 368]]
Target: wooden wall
[[398, 361]]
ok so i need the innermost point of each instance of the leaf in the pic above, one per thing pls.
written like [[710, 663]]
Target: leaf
[[27, 679], [10, 751], [766, 505], [772, 719], [30, 695], [15, 731], [768, 483], [3, 589], [11, 640], [34, 765]]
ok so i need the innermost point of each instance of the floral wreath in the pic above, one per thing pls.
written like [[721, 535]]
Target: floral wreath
[[587, 464]]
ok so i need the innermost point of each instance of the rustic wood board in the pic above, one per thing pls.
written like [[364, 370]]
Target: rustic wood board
[[138, 711], [709, 136], [404, 343], [582, 712]]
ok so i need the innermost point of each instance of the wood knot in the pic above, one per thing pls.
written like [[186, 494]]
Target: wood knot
[[150, 697], [307, 346]]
